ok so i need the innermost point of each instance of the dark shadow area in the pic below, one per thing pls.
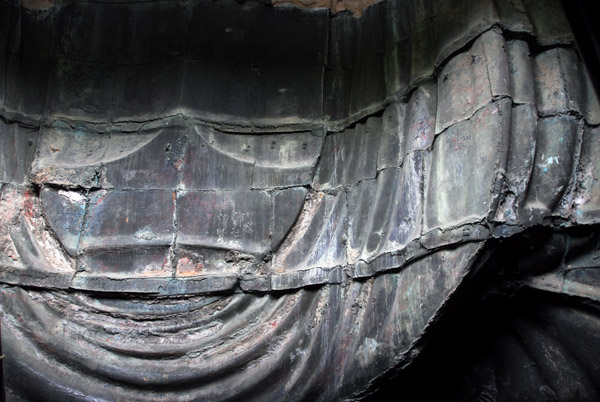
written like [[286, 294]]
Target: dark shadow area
[[500, 340], [581, 18]]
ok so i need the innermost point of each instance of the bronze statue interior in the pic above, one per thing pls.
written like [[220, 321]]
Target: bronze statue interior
[[223, 200]]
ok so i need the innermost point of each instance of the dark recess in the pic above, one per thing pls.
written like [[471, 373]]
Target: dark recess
[[582, 18], [475, 351]]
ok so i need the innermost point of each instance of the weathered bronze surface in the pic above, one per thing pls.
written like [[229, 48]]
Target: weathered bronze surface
[[212, 200]]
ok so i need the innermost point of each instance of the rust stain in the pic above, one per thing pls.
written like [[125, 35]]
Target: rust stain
[[186, 266], [29, 204]]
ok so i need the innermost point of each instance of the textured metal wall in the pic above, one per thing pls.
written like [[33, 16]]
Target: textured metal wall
[[207, 200]]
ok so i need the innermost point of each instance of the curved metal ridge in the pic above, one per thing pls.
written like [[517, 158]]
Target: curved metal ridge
[[428, 244], [393, 72], [149, 346], [325, 178], [503, 333], [113, 346], [204, 200]]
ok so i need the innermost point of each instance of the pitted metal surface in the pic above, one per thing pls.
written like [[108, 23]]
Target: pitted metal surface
[[218, 201]]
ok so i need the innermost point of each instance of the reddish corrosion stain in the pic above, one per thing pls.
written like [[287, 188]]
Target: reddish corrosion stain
[[342, 356], [29, 204], [54, 149], [186, 266]]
